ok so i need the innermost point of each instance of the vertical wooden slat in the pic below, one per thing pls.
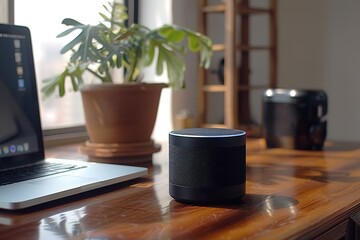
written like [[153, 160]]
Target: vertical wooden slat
[[244, 96], [273, 43], [237, 82], [201, 72], [230, 69]]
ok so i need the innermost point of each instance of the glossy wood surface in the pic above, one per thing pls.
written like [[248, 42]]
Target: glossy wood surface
[[290, 194]]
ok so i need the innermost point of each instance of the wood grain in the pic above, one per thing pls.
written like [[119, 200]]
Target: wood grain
[[291, 194]]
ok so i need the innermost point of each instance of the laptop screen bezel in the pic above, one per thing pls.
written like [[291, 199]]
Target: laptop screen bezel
[[31, 157]]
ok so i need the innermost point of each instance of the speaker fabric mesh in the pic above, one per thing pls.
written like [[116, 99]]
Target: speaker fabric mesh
[[225, 168], [207, 165]]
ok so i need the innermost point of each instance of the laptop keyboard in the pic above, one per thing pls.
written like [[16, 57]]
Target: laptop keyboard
[[34, 171]]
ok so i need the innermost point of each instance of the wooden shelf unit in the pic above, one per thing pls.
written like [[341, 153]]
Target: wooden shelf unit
[[236, 90]]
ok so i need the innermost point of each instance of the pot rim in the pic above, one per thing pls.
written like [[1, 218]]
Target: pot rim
[[117, 86]]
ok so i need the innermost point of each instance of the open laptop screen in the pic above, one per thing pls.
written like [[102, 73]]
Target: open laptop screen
[[20, 128]]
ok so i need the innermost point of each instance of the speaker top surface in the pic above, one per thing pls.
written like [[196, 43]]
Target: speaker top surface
[[207, 137], [293, 95]]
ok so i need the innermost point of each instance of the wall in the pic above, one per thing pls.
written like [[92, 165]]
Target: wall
[[154, 14], [3, 11], [173, 101], [259, 60], [319, 48], [185, 100]]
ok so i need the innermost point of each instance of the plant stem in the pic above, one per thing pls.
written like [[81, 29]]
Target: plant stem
[[105, 78]]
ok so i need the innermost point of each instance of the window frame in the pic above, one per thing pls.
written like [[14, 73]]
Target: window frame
[[73, 134], [11, 11]]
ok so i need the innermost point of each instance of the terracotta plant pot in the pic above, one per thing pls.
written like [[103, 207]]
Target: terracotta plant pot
[[121, 115]]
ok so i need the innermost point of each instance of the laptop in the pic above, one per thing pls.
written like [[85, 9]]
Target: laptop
[[26, 178]]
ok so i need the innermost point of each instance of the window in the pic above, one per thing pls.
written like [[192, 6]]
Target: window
[[4, 11], [61, 113], [56, 112]]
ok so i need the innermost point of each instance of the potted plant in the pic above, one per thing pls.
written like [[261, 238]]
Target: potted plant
[[109, 107]]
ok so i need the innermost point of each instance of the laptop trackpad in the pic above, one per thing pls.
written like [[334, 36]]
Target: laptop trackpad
[[66, 181]]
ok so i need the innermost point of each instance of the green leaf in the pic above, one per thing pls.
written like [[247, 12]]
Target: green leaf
[[193, 44], [73, 72], [71, 22], [106, 18], [111, 44], [160, 64], [50, 86], [66, 32], [74, 83], [61, 85], [176, 36], [165, 30], [72, 44], [174, 65], [150, 53], [118, 60]]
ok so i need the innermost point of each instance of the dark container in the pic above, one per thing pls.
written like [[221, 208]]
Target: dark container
[[207, 165], [295, 118]]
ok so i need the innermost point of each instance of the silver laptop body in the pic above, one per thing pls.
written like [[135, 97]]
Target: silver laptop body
[[21, 142]]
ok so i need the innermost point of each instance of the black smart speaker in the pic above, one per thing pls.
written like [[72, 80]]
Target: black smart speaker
[[295, 118], [207, 165]]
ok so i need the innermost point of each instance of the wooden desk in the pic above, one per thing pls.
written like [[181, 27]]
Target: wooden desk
[[290, 194]]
